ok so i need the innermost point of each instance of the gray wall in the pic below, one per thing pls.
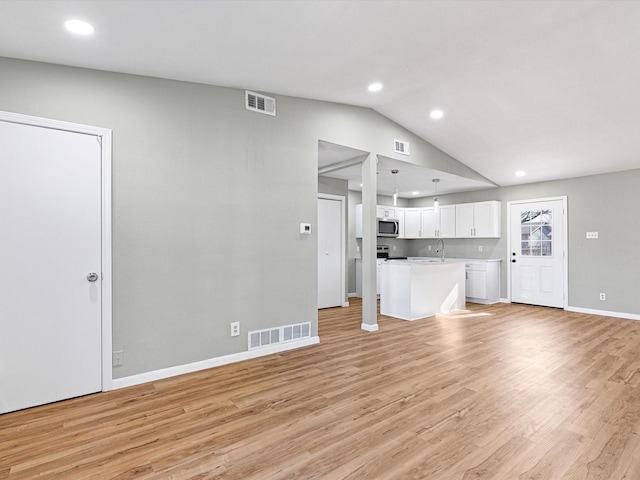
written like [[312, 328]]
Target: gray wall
[[207, 201], [608, 204]]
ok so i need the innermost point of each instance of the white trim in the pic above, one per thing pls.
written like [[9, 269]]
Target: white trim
[[105, 134], [565, 243], [369, 328], [352, 294], [343, 242], [504, 300], [604, 313], [210, 363]]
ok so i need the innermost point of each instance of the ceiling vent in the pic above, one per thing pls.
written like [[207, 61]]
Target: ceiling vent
[[260, 103], [400, 146]]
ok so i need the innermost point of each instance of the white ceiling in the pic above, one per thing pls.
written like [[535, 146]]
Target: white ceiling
[[411, 180], [549, 87]]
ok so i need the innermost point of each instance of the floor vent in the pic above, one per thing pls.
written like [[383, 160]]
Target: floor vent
[[400, 146], [260, 103], [276, 335]]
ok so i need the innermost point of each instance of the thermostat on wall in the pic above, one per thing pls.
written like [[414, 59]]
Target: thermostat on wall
[[305, 228]]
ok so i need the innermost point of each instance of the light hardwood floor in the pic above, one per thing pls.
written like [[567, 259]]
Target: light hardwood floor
[[494, 392]]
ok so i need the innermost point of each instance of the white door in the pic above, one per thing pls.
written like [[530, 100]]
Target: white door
[[330, 272], [50, 241], [537, 253]]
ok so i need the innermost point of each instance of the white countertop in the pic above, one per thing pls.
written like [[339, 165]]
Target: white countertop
[[446, 260], [449, 260]]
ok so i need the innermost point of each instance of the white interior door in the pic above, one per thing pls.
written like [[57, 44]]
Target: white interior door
[[50, 241], [330, 270], [537, 256]]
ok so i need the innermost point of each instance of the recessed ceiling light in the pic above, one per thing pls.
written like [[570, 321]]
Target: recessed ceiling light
[[375, 87], [79, 27], [415, 193], [520, 173], [436, 114]]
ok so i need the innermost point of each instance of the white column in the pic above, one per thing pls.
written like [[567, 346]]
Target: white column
[[369, 240]]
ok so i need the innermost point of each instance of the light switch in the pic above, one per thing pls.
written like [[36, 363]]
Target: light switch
[[305, 228], [592, 235]]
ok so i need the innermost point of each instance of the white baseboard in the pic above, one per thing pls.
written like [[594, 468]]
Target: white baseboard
[[210, 363], [369, 328], [628, 316], [352, 294], [505, 300], [345, 304]]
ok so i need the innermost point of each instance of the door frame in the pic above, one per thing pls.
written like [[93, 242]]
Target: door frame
[[105, 137], [565, 244], [343, 242]]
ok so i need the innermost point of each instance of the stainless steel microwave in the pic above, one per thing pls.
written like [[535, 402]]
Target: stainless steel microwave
[[388, 227]]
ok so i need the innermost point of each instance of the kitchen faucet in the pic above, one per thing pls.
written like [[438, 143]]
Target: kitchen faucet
[[440, 250]]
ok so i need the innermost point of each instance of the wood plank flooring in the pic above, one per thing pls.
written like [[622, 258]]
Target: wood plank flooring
[[493, 392]]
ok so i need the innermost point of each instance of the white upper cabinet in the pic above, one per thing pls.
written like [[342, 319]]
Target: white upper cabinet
[[440, 224], [480, 219], [400, 217], [447, 221], [412, 222], [430, 223], [466, 220], [383, 211]]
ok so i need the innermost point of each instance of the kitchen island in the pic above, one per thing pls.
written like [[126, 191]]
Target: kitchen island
[[414, 289]]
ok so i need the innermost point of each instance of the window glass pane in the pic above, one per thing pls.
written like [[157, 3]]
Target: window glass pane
[[535, 233], [525, 217], [536, 217], [535, 249]]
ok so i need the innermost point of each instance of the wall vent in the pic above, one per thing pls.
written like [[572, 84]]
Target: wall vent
[[400, 146], [260, 103], [276, 335]]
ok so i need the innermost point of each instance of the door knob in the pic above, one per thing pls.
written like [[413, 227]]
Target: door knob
[[513, 261], [92, 277]]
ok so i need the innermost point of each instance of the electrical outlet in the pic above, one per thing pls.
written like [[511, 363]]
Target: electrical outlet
[[592, 235], [429, 247], [235, 329], [118, 358], [394, 248], [603, 297], [480, 248]]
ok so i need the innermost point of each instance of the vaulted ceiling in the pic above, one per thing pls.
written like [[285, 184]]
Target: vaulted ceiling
[[546, 87]]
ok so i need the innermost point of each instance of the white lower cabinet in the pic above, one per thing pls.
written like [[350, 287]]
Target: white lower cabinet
[[483, 281], [379, 263]]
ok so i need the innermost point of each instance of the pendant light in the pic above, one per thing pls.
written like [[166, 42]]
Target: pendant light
[[435, 198], [395, 190]]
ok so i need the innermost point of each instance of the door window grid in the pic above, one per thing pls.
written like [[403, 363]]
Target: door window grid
[[536, 233]]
